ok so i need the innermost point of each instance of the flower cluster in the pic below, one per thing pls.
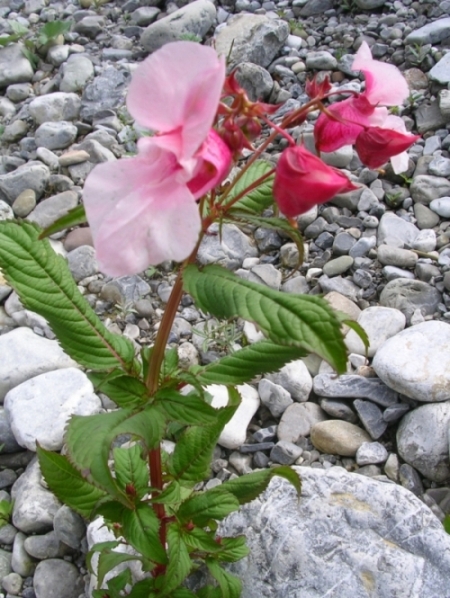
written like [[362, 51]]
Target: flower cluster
[[143, 210], [364, 119]]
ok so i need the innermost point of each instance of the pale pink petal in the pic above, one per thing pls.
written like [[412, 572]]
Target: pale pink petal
[[400, 162], [385, 84], [394, 122], [136, 222], [214, 161], [378, 117], [170, 143], [178, 87]]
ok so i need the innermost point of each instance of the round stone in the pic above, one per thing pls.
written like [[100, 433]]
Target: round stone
[[416, 362], [24, 203], [338, 266], [55, 578], [423, 440], [379, 323], [441, 206], [298, 419], [337, 437], [371, 453]]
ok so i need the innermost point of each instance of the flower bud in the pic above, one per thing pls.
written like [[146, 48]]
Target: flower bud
[[302, 180], [375, 145]]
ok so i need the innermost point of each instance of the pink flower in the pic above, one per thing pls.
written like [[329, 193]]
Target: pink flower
[[142, 210], [302, 180], [385, 86], [375, 146]]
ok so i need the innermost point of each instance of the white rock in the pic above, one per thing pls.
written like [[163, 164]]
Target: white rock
[[395, 231], [235, 432], [274, 397], [295, 378], [380, 323], [347, 536], [39, 409], [97, 532], [422, 440], [425, 240], [441, 206], [25, 355], [371, 452], [416, 362], [34, 506]]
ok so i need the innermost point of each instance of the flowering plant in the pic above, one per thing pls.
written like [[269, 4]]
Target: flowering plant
[[156, 206]]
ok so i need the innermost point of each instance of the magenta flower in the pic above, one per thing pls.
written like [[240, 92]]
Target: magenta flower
[[385, 86], [302, 181], [143, 210], [376, 145]]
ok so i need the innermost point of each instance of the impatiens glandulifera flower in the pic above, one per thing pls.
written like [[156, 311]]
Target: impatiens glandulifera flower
[[317, 89], [143, 210], [375, 146], [302, 181], [241, 124], [346, 120]]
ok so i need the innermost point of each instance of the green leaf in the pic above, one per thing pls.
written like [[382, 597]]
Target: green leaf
[[170, 495], [170, 363], [257, 200], [446, 523], [216, 503], [233, 549], [52, 30], [187, 409], [231, 586], [45, 285], [89, 440], [242, 366], [131, 470], [287, 319], [140, 528], [124, 390], [118, 583], [108, 559], [111, 510], [148, 423], [67, 483], [209, 592], [359, 331], [182, 593], [6, 509], [98, 547], [179, 564], [201, 540], [32, 58], [74, 217], [143, 589], [248, 487], [191, 459], [271, 223], [18, 28]]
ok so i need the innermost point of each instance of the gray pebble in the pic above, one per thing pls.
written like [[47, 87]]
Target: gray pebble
[[285, 452], [371, 453], [371, 417]]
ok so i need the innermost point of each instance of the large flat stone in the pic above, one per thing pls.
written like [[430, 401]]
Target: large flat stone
[[348, 535]]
